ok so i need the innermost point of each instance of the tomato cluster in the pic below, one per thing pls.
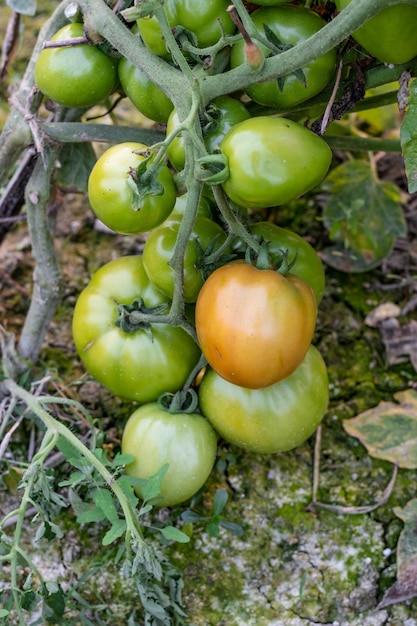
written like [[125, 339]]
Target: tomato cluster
[[244, 297]]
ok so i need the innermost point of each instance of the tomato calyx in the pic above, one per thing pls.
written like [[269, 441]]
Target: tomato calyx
[[132, 317], [212, 257], [183, 401], [210, 119], [143, 182], [279, 47], [212, 169], [141, 9], [262, 258]]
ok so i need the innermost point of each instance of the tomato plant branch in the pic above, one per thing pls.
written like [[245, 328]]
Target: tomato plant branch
[[47, 278], [234, 225], [101, 18], [70, 132], [55, 429], [353, 16], [17, 135], [373, 144]]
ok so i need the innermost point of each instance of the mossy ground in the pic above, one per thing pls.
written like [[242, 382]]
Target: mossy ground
[[292, 566]]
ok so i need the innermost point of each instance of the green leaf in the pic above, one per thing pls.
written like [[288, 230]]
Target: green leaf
[[117, 530], [4, 612], [76, 162], [105, 501], [152, 487], [25, 7], [220, 500], [389, 431], [70, 452], [408, 138], [405, 587], [213, 528], [190, 516], [54, 597], [174, 534], [232, 528], [28, 601], [363, 216], [122, 459], [93, 514], [125, 485]]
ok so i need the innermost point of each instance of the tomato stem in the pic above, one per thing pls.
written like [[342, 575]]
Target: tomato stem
[[184, 401]]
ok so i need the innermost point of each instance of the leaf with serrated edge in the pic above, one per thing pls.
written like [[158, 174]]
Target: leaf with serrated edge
[[389, 430], [105, 501], [153, 484], [117, 529]]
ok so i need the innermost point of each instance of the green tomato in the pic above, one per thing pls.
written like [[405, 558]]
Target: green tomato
[[184, 441], [221, 115], [273, 419], [307, 266], [205, 20], [112, 198], [290, 25], [272, 160], [176, 149], [75, 76], [146, 96], [204, 207], [389, 36], [159, 248], [225, 112], [138, 365]]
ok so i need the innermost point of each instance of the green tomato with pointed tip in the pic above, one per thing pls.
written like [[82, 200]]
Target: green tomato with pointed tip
[[271, 161]]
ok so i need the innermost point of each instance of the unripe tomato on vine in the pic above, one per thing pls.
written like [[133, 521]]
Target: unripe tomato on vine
[[389, 36], [144, 94], [114, 196], [284, 26], [133, 360], [272, 160], [185, 442], [206, 237], [204, 20], [272, 419], [221, 114], [75, 76]]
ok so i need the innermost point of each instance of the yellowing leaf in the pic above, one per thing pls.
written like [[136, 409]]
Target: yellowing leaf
[[363, 216], [389, 430]]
